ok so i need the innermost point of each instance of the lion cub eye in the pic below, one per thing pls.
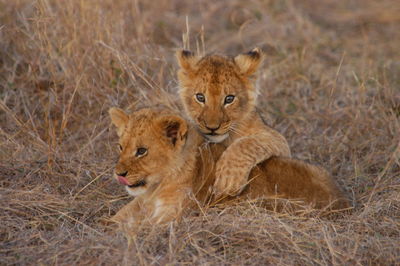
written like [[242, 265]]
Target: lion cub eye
[[200, 97], [140, 152], [229, 99], [120, 147]]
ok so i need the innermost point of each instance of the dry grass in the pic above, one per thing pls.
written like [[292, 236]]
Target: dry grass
[[331, 85]]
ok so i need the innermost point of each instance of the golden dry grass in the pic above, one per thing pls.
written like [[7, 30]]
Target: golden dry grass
[[330, 84]]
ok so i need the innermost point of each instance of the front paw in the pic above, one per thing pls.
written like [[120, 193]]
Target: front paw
[[127, 224], [120, 217], [230, 181]]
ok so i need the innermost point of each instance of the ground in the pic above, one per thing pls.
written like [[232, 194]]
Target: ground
[[330, 84]]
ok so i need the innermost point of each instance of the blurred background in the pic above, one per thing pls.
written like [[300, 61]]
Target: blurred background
[[330, 83]]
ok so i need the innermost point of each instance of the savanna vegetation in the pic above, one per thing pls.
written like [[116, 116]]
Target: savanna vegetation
[[330, 84]]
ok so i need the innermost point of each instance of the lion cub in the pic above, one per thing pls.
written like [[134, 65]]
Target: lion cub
[[162, 164], [218, 94], [155, 165]]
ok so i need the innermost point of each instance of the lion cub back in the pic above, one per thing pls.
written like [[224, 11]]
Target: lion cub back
[[274, 178]]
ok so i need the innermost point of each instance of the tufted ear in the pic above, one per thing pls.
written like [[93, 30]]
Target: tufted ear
[[174, 128], [119, 118], [187, 60], [249, 62]]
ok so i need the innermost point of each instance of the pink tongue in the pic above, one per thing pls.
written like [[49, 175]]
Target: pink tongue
[[123, 180]]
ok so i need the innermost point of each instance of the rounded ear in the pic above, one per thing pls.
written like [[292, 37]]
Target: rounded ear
[[249, 62], [119, 118], [187, 60], [174, 128]]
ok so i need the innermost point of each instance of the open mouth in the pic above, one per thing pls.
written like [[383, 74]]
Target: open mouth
[[138, 184], [122, 180]]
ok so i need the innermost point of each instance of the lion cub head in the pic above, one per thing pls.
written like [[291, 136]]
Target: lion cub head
[[218, 92], [150, 142]]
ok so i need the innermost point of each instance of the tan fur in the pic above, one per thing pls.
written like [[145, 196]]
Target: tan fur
[[240, 128], [163, 170], [275, 178], [174, 171]]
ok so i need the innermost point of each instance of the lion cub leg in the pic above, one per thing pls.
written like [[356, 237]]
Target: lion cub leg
[[235, 164], [169, 203], [130, 216], [144, 211], [159, 207]]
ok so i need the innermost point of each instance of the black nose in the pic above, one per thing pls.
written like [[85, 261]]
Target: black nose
[[212, 129], [122, 174]]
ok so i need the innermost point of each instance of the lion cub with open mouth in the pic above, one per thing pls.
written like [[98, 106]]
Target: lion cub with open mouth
[[156, 162], [161, 160]]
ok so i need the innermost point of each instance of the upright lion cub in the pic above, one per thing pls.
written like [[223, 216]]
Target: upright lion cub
[[219, 95]]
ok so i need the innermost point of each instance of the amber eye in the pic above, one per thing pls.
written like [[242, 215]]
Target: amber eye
[[200, 97], [140, 152], [229, 99]]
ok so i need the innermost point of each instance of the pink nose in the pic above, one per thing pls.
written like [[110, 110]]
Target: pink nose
[[123, 180]]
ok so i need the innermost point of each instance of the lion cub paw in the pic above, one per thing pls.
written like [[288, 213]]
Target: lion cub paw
[[230, 180]]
